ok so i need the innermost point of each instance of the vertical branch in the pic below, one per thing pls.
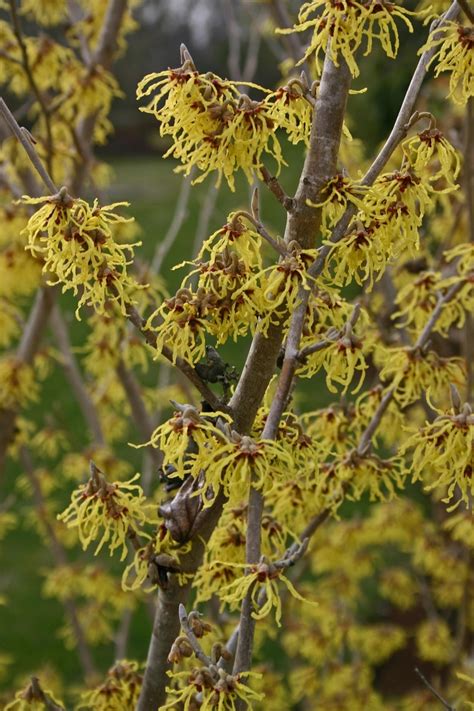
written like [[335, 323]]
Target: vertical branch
[[302, 225], [141, 417], [27, 349], [17, 30], [74, 376], [469, 196]]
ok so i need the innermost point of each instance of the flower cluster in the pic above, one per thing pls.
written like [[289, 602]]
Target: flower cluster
[[120, 690], [74, 241], [345, 26], [216, 128], [454, 53], [444, 455], [117, 511]]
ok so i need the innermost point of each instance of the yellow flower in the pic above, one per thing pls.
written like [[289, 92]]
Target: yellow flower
[[431, 147], [181, 324], [232, 465], [351, 475], [361, 255], [46, 12], [119, 691], [413, 374], [342, 27], [336, 195], [292, 111], [444, 455], [266, 576], [398, 586], [116, 510], [218, 690], [434, 641], [18, 384], [342, 357], [186, 433], [213, 126], [238, 237], [274, 292], [454, 45], [75, 242], [33, 698]]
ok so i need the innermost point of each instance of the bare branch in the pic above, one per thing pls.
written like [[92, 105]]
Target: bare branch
[[140, 414], [275, 187], [25, 139], [180, 214], [45, 110], [182, 365], [74, 375], [302, 225], [187, 629], [435, 693], [277, 245]]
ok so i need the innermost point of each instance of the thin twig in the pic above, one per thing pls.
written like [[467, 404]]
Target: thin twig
[[74, 375], [277, 245], [45, 110], [140, 414], [320, 163], [435, 693], [275, 187], [397, 134], [180, 214], [182, 365], [197, 649], [24, 138]]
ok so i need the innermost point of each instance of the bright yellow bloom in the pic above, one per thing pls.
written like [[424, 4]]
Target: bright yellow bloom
[[232, 465], [336, 195], [342, 27], [262, 575], [115, 510], [398, 586], [236, 236], [46, 12], [33, 698], [361, 255], [444, 455], [18, 384], [75, 242], [413, 374], [434, 641], [119, 691], [342, 358], [218, 690], [184, 434], [350, 476], [454, 45], [10, 320], [274, 292], [431, 148], [291, 110], [180, 324], [212, 125]]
